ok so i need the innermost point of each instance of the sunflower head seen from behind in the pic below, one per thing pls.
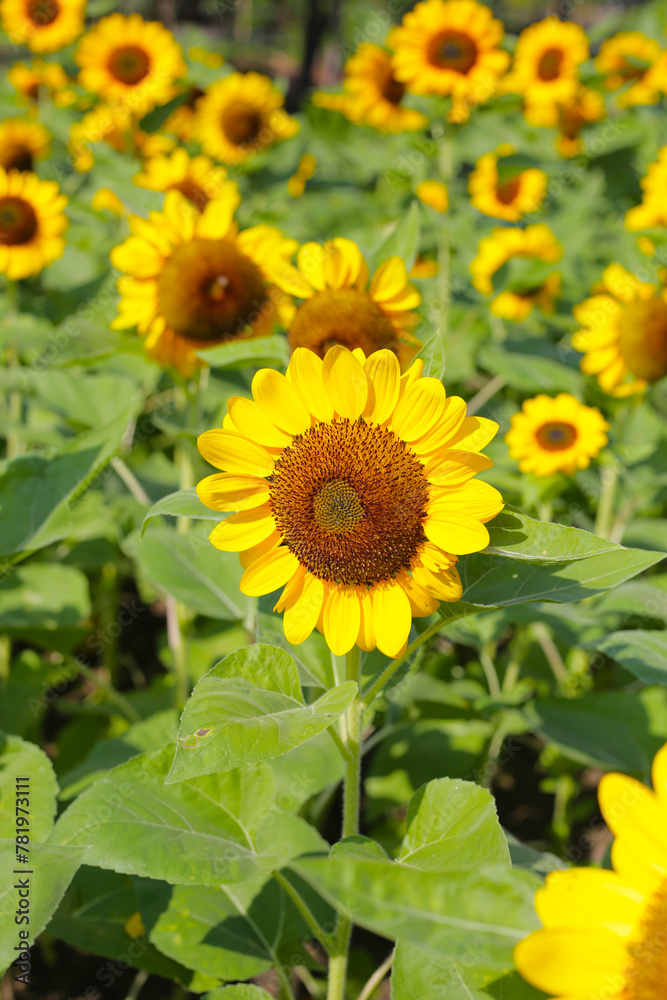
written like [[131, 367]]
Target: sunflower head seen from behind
[[512, 245], [509, 195], [557, 434], [625, 61], [355, 491], [192, 280], [32, 223], [42, 25]]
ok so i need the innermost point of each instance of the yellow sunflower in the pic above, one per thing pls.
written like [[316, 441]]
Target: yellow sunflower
[[30, 80], [625, 61], [511, 198], [434, 194], [624, 332], [131, 62], [116, 126], [653, 208], [372, 95], [450, 47], [555, 435], [32, 222], [583, 107], [21, 143], [355, 492], [42, 25], [546, 61], [197, 177], [505, 244], [341, 307], [605, 932], [192, 280], [241, 116]]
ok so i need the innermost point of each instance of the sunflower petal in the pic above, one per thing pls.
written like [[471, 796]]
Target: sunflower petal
[[342, 619], [345, 381], [279, 400], [392, 617], [234, 453], [225, 491], [269, 572]]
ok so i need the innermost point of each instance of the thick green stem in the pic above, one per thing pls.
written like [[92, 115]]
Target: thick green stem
[[178, 656], [605, 512]]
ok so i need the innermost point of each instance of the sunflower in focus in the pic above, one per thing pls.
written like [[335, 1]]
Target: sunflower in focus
[[242, 115], [653, 208], [373, 96], [31, 79], [32, 223], [546, 62], [116, 126], [504, 245], [131, 62], [342, 307], [555, 435], [42, 25], [603, 933], [192, 280], [450, 47], [511, 198], [625, 61], [21, 143], [582, 108], [356, 493], [197, 177], [623, 332]]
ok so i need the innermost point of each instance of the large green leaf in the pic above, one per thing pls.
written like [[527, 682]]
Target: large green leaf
[[530, 372], [272, 351], [644, 653], [417, 974], [241, 991], [183, 503], [45, 596], [250, 708], [433, 356], [517, 536], [19, 759]]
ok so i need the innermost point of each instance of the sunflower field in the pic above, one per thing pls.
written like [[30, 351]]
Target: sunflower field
[[333, 500]]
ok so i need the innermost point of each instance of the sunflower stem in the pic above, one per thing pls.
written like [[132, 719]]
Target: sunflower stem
[[185, 448], [605, 513], [351, 798], [178, 654]]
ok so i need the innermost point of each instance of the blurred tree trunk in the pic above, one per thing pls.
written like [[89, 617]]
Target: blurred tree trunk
[[320, 16]]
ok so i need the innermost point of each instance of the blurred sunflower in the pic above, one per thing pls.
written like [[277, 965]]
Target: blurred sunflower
[[242, 115], [342, 307], [604, 931], [197, 177], [653, 208], [534, 243], [31, 79], [116, 126], [625, 60], [450, 47], [434, 194], [558, 434], [624, 332], [32, 222], [582, 108], [131, 62], [546, 62], [372, 95], [356, 493], [42, 25], [22, 142], [192, 280], [181, 122], [522, 191]]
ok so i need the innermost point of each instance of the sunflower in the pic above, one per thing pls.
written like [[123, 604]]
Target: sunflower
[[21, 143], [42, 25], [32, 222], [546, 62], [555, 435], [536, 243], [434, 194], [625, 61], [197, 177], [192, 280], [604, 931], [342, 307], [521, 192], [30, 80], [582, 108], [355, 492], [373, 96], [450, 47], [116, 126], [653, 209], [624, 332], [241, 116], [131, 62]]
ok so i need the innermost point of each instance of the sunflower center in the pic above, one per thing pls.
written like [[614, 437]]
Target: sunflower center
[[549, 66], [453, 50], [129, 64], [209, 291], [507, 192], [18, 222], [556, 435], [350, 501], [43, 12], [193, 193], [241, 123], [643, 338], [647, 975], [344, 316], [392, 90], [16, 156]]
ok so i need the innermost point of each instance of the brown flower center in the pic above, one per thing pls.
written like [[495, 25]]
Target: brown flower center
[[391, 89], [129, 64], [646, 977], [16, 156], [209, 291], [643, 338], [507, 192], [18, 221], [549, 66], [193, 193], [453, 50], [556, 435], [350, 501], [344, 316], [43, 12], [241, 123]]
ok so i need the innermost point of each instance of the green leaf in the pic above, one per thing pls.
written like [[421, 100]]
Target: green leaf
[[404, 240], [528, 371], [156, 118], [644, 653], [51, 869], [416, 975], [433, 356], [91, 400], [25, 760], [43, 596], [241, 991], [511, 166], [518, 536], [453, 825], [248, 708], [198, 833], [272, 351], [183, 503]]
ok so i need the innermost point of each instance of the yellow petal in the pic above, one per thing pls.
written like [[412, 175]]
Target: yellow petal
[[235, 453], [269, 572], [474, 498], [345, 381], [305, 374], [342, 618], [420, 409], [225, 491], [392, 617], [389, 279], [248, 556], [251, 421], [589, 897], [446, 429], [366, 636], [384, 371], [456, 532], [241, 531], [301, 617], [579, 962], [279, 400], [635, 814], [473, 434], [456, 467], [659, 774]]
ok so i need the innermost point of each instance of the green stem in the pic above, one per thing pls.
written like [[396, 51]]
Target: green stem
[[605, 512], [128, 710], [184, 453], [325, 939], [374, 690], [14, 407], [177, 646]]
